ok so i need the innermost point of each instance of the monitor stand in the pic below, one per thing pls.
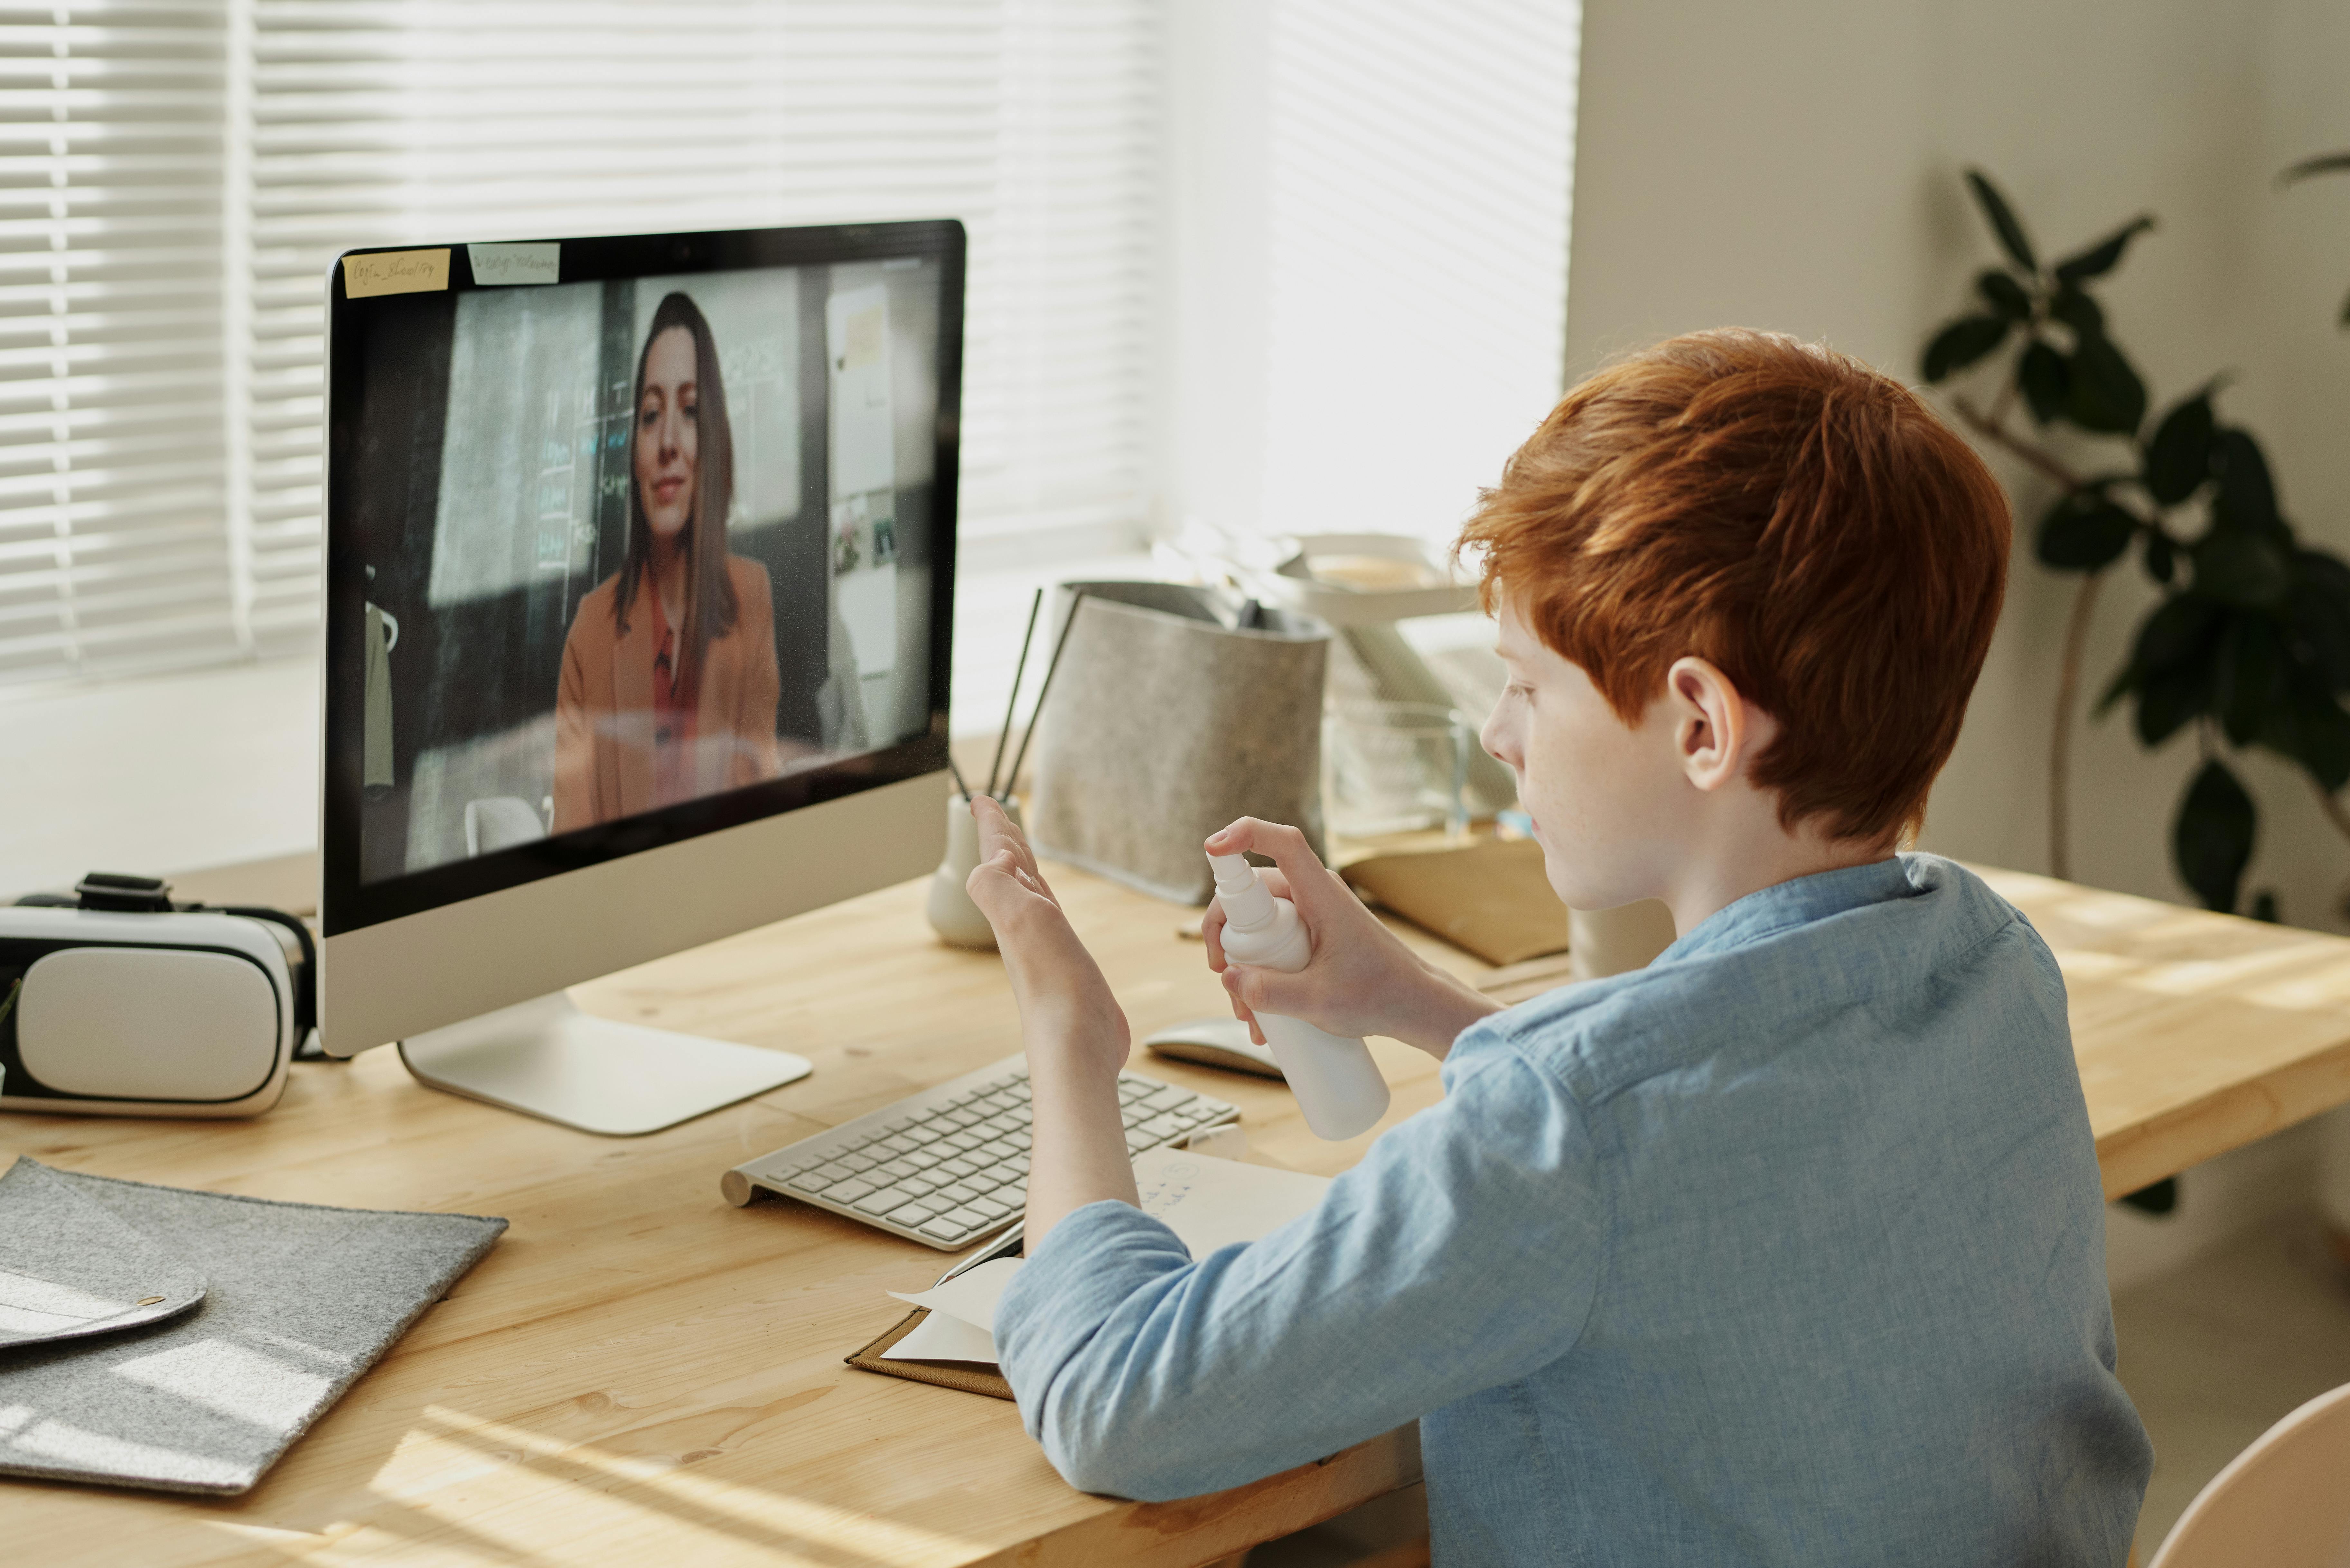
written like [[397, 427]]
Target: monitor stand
[[545, 1058]]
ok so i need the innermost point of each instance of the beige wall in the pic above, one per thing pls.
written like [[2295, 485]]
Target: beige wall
[[1796, 167]]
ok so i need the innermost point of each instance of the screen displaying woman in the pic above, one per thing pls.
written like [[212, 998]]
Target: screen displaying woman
[[669, 686]]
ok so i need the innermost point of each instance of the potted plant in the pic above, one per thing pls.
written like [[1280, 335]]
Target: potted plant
[[2249, 645]]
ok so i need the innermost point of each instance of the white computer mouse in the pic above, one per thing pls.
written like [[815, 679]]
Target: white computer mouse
[[1215, 1042]]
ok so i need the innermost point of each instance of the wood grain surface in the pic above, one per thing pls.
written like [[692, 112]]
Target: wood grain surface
[[639, 1374]]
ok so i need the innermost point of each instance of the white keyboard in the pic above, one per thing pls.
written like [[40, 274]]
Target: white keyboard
[[949, 1166]]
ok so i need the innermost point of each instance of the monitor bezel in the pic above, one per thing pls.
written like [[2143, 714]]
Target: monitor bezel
[[346, 903]]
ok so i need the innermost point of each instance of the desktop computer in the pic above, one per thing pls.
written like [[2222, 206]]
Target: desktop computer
[[639, 576]]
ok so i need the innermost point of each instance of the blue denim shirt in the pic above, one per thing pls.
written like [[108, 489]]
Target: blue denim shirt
[[1787, 1248]]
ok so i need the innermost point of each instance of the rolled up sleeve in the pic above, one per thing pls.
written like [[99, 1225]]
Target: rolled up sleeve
[[1463, 1252]]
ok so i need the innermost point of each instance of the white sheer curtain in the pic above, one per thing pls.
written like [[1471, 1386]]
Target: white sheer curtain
[[178, 176]]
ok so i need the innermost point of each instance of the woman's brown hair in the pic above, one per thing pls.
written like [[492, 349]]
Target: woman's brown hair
[[709, 605]]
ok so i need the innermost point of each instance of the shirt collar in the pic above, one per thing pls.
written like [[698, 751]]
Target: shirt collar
[[1799, 902]]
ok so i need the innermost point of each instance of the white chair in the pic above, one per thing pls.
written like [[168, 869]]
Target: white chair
[[2285, 1502], [500, 822]]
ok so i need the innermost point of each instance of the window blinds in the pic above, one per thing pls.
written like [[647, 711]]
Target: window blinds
[[113, 481], [325, 124]]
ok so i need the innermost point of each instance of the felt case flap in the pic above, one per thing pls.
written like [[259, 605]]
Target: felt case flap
[[68, 1267], [1491, 899], [972, 1377]]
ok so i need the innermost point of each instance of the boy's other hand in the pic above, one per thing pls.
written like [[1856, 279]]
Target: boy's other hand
[[1067, 1014], [1362, 979]]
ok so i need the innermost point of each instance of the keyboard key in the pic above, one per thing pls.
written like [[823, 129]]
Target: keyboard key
[[1167, 1100], [809, 1181], [1018, 1140], [900, 1144], [922, 1159], [847, 1191], [831, 1172], [918, 1187], [1136, 1116], [990, 1207], [960, 1168], [1019, 1092], [992, 1152], [966, 1141], [1162, 1128], [911, 1216], [946, 1230], [883, 1202], [957, 1196], [985, 1181], [1016, 1195], [1137, 1140], [1018, 1162], [855, 1162], [1129, 1090], [969, 1218], [897, 1170]]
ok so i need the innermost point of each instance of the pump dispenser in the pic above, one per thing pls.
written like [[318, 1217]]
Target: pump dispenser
[[1336, 1083]]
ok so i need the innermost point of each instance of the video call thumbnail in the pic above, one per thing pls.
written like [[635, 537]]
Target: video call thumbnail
[[634, 542]]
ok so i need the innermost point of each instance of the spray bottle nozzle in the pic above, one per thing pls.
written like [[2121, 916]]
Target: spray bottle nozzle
[[1247, 901]]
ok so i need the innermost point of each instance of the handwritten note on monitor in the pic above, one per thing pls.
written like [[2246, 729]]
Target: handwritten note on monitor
[[395, 271]]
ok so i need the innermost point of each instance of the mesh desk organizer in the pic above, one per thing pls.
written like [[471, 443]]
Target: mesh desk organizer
[[181, 1341]]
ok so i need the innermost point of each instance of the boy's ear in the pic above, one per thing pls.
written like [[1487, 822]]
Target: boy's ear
[[1712, 724]]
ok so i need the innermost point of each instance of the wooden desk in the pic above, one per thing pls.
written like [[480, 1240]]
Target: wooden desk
[[639, 1374]]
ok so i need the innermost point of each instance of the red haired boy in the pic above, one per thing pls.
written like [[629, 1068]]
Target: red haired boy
[[1786, 1249]]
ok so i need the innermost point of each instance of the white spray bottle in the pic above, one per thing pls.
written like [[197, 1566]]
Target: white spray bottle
[[1336, 1083]]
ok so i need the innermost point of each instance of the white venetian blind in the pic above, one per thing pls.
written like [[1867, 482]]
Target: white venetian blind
[[219, 153], [113, 483]]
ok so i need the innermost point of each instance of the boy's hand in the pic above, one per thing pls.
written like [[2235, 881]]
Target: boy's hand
[[1076, 1032], [1362, 978], [1066, 1011]]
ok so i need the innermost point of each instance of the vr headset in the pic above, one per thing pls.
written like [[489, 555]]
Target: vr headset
[[117, 1002]]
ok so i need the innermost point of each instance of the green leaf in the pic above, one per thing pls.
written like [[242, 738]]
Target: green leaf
[[2247, 498], [2161, 557], [1963, 342], [2079, 312], [2212, 835], [2179, 458], [2003, 221], [2084, 532], [2100, 258], [2004, 295], [2045, 380], [2178, 632], [2319, 614], [2324, 163], [2168, 699], [2240, 568], [2248, 678], [2310, 728], [2107, 394]]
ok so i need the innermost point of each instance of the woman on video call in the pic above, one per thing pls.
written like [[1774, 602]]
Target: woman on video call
[[669, 685]]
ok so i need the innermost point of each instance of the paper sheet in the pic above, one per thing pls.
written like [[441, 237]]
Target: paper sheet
[[939, 1337], [1208, 1203]]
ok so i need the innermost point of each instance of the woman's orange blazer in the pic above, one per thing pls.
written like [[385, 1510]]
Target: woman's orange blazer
[[604, 710]]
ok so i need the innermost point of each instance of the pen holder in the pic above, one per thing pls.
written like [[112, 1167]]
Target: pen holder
[[953, 914]]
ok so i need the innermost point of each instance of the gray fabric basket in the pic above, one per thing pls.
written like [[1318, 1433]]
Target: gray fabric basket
[[1166, 721]]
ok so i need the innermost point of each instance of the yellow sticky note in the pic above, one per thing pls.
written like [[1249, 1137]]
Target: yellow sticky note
[[395, 271]]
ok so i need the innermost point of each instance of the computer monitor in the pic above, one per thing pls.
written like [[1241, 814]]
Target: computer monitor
[[639, 578]]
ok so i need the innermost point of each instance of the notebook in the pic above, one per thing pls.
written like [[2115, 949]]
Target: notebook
[[1209, 1202], [181, 1341]]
